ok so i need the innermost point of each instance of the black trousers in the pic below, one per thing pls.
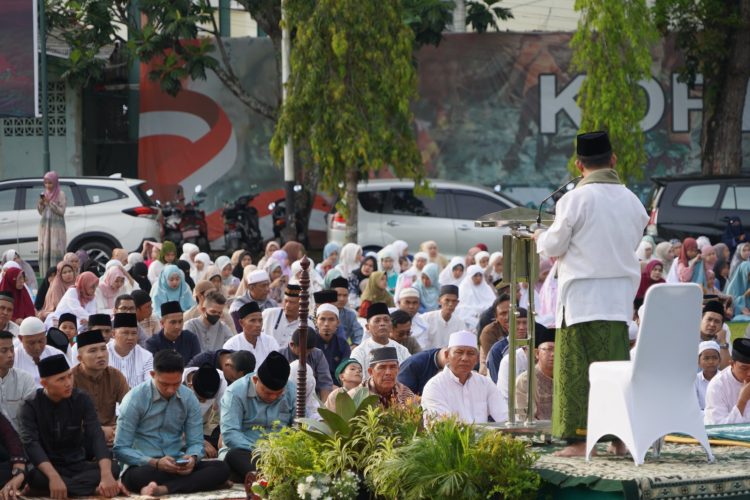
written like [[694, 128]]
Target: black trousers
[[81, 478], [240, 462], [4, 473], [207, 475]]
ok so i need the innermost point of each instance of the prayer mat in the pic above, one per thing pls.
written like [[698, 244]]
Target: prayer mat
[[681, 472], [236, 492], [726, 434]]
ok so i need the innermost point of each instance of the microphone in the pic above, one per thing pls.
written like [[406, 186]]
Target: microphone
[[553, 193]]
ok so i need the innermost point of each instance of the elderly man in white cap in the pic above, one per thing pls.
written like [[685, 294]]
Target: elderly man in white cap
[[408, 301], [32, 347], [259, 284], [379, 327], [458, 390]]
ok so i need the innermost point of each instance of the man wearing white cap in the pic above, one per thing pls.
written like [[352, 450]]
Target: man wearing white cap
[[334, 346], [458, 390], [379, 327], [709, 357], [259, 284], [408, 301], [32, 347]]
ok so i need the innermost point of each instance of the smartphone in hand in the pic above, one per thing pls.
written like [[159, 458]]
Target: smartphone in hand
[[182, 461]]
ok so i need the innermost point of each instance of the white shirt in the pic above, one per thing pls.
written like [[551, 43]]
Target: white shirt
[[471, 402], [598, 271], [69, 303], [136, 366], [16, 386], [362, 352], [263, 346], [277, 326], [721, 400], [26, 363], [439, 330], [12, 328], [701, 384], [522, 364]]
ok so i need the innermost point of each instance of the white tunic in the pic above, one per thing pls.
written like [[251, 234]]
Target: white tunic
[[277, 326], [26, 363], [721, 400], [471, 402], [598, 271], [362, 352], [522, 364], [136, 366], [69, 303], [439, 330], [12, 328], [263, 346], [16, 386]]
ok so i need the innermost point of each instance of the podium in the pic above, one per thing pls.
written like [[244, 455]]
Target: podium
[[521, 262]]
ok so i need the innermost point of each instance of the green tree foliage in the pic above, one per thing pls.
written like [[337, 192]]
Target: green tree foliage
[[611, 45], [350, 93], [714, 36], [485, 15]]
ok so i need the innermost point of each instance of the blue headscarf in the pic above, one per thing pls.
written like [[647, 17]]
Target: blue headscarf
[[739, 283], [429, 296], [162, 292]]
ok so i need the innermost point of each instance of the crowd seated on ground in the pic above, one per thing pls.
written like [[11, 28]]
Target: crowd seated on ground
[[207, 345]]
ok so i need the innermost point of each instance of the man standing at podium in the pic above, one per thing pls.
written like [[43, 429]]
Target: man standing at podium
[[597, 228]]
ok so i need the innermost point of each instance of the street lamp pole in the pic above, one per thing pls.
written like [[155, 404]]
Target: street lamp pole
[[291, 224], [45, 90]]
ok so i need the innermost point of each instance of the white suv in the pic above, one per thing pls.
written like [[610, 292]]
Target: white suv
[[103, 213], [389, 210]]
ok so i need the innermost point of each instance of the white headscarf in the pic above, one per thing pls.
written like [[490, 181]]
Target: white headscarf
[[479, 256], [133, 259], [481, 296], [398, 247], [446, 275], [348, 260], [195, 273]]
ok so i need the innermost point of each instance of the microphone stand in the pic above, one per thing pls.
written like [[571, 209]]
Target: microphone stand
[[553, 193]]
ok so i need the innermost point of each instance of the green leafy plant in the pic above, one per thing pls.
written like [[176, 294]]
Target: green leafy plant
[[285, 455], [506, 463], [339, 422]]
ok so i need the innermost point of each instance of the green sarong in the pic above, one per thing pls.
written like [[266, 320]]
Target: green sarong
[[576, 347]]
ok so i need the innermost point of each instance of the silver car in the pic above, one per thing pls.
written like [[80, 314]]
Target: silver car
[[389, 210]]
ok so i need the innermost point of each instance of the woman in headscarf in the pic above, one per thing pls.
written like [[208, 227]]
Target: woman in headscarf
[[453, 273], [28, 271], [63, 281], [201, 263], [494, 271], [278, 281], [271, 247], [475, 296], [72, 259], [133, 259], [739, 289], [429, 288], [350, 259], [413, 274], [330, 258], [53, 238], [722, 252], [482, 259], [401, 248], [151, 250], [229, 282], [171, 287], [110, 286], [433, 254], [294, 250], [358, 278], [332, 275], [79, 300], [742, 254], [41, 295], [664, 254], [240, 260], [139, 273], [129, 285], [547, 300], [213, 275], [282, 258], [316, 280], [375, 291], [690, 265], [14, 284], [387, 263], [721, 274], [167, 255], [651, 275]]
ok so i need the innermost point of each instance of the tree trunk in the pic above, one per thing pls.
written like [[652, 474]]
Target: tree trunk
[[721, 136], [459, 16], [352, 205]]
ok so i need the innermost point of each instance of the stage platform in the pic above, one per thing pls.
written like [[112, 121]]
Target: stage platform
[[681, 472]]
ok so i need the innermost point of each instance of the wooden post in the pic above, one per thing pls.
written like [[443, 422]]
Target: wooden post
[[304, 304]]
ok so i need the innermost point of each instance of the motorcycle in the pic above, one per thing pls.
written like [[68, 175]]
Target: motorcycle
[[193, 226], [172, 216], [241, 226], [278, 218]]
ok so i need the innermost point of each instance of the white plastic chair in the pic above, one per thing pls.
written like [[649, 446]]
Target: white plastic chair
[[643, 400]]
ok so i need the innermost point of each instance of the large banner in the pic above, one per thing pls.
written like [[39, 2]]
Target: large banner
[[18, 58], [494, 109]]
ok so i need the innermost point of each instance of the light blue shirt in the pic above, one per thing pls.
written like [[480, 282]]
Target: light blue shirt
[[245, 418], [150, 426], [351, 327]]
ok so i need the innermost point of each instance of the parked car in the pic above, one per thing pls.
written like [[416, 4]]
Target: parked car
[[697, 205], [103, 213], [389, 210]]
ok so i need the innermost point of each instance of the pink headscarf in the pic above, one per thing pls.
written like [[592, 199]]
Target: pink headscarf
[[55, 180]]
